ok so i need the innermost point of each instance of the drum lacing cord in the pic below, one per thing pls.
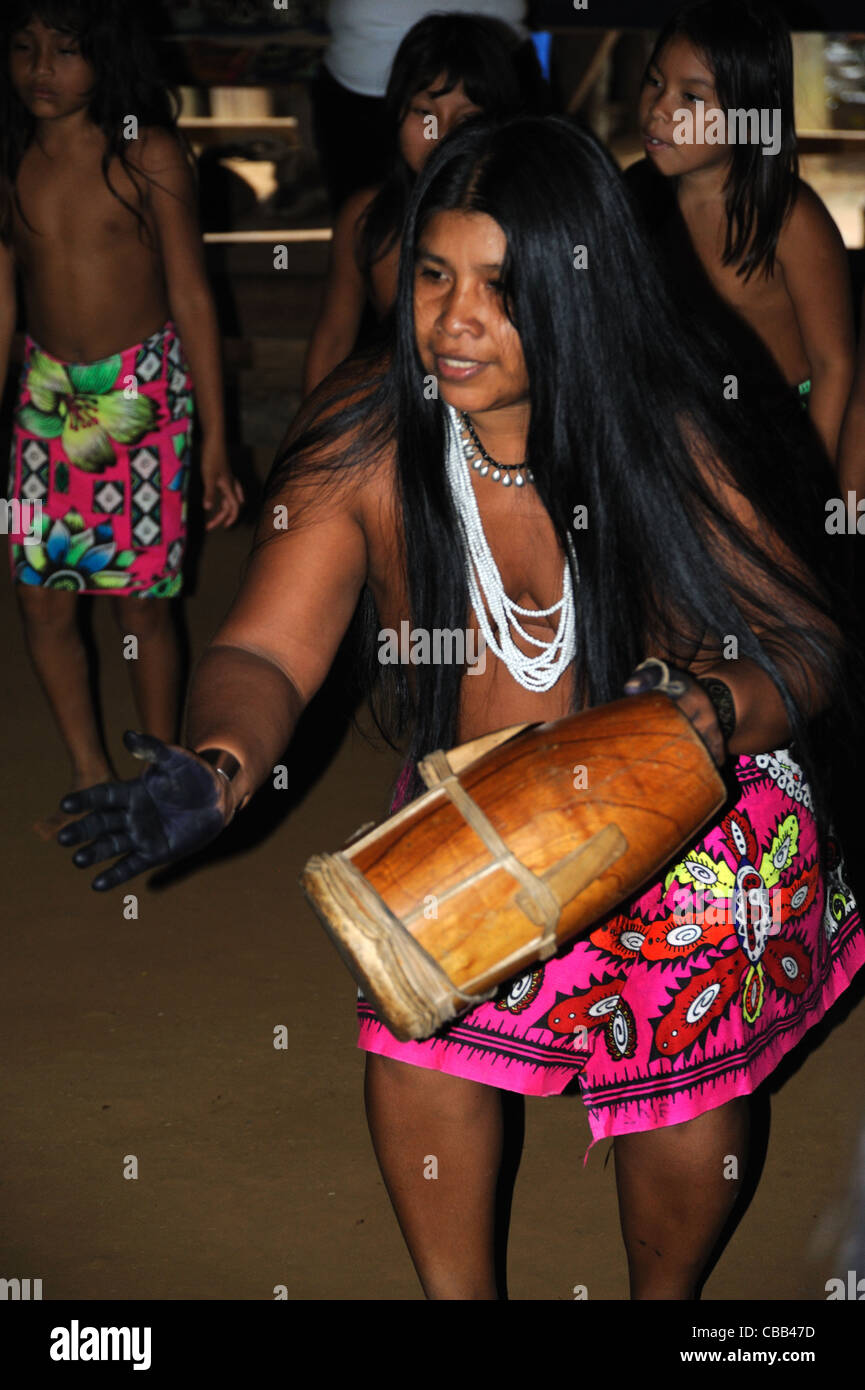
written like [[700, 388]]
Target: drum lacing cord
[[539, 894], [436, 982]]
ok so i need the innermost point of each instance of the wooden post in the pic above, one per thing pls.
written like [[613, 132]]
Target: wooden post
[[809, 69]]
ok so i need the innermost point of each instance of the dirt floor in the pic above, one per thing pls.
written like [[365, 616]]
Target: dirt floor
[[153, 1038]]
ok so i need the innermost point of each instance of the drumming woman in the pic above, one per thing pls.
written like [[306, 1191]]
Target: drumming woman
[[548, 458]]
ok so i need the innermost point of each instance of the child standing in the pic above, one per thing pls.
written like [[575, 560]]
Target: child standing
[[448, 68], [97, 216], [764, 240]]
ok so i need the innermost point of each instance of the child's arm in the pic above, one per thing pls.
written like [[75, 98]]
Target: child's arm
[[851, 458], [813, 258], [345, 294], [171, 198], [794, 628], [7, 310]]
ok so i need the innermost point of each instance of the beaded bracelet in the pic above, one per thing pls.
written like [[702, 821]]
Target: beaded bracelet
[[722, 698]]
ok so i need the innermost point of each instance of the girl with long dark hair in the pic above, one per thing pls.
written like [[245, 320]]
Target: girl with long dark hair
[[448, 68], [544, 458], [720, 184], [97, 217]]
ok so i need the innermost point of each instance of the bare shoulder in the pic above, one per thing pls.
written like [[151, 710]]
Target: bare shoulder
[[358, 204], [350, 387], [352, 214], [809, 225], [156, 150], [341, 444]]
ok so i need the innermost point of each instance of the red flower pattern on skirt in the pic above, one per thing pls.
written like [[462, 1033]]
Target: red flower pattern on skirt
[[741, 899]]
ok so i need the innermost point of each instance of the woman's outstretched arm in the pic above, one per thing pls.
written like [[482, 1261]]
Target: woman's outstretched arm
[[266, 662], [274, 649]]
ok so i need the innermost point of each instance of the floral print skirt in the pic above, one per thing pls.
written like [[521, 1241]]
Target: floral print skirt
[[99, 470], [691, 994]]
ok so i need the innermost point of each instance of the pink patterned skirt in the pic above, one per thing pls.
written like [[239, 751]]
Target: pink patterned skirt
[[689, 997], [99, 470]]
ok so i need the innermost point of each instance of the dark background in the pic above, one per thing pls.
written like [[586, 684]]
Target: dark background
[[824, 15]]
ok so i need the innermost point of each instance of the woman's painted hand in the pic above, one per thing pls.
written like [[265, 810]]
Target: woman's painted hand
[[178, 805]]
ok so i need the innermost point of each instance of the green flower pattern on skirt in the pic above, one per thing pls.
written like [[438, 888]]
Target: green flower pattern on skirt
[[164, 588], [77, 405]]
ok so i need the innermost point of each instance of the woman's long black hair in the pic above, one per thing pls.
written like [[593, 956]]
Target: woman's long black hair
[[623, 398], [114, 40], [748, 48], [500, 74]]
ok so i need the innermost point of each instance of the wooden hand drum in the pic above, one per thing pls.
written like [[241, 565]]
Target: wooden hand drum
[[524, 839]]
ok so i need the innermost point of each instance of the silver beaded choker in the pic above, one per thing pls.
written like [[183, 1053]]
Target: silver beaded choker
[[475, 454]]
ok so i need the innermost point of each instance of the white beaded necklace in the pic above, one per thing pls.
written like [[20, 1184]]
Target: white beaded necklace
[[486, 591]]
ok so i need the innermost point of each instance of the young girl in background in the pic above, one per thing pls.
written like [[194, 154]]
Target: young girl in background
[[763, 238], [447, 68], [97, 216]]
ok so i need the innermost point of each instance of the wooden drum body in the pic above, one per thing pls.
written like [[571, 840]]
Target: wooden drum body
[[524, 840]]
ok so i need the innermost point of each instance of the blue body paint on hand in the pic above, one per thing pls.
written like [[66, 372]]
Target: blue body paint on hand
[[170, 811]]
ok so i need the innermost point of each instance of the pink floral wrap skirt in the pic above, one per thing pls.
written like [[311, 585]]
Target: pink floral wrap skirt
[[99, 470]]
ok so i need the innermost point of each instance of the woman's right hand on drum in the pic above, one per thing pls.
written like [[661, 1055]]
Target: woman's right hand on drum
[[178, 805], [688, 694]]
